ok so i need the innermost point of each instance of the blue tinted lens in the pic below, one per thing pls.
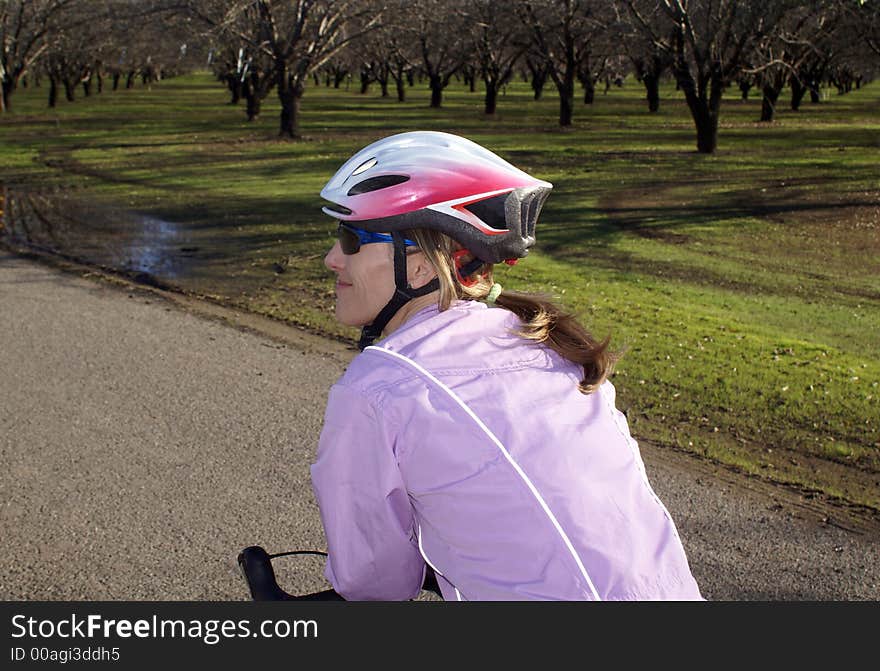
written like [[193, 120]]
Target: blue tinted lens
[[351, 238]]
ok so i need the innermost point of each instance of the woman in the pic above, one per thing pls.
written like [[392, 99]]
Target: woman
[[483, 443]]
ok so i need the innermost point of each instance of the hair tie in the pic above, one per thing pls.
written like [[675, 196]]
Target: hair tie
[[494, 292]]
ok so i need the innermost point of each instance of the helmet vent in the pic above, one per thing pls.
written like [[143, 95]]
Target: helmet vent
[[339, 209], [490, 210], [363, 167], [376, 183]]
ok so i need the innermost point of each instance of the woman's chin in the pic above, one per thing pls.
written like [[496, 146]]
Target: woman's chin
[[347, 319]]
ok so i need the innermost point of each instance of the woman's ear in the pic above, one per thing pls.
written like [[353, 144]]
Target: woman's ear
[[419, 270]]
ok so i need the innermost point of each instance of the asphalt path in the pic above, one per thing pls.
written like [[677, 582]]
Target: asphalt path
[[147, 438]]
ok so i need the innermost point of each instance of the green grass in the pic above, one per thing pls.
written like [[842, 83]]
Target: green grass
[[743, 286]]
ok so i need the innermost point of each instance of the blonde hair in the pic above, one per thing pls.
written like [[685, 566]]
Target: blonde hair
[[542, 320]]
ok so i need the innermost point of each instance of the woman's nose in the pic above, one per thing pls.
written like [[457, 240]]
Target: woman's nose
[[335, 259]]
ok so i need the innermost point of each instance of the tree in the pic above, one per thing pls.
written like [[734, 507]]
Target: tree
[[387, 51], [561, 36], [436, 29], [799, 41], [499, 42], [648, 59], [709, 43], [298, 36], [24, 28], [537, 69], [866, 21]]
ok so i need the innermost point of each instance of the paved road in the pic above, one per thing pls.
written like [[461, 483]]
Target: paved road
[[146, 439]]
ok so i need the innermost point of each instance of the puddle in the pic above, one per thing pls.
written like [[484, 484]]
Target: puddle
[[143, 246], [97, 234]]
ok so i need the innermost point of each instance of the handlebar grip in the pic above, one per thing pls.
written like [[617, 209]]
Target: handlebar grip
[[256, 565]]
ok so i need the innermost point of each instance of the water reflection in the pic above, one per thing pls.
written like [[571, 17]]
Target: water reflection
[[154, 247], [215, 257], [97, 234]]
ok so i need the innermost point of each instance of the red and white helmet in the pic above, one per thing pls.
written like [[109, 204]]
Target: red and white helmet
[[426, 179]]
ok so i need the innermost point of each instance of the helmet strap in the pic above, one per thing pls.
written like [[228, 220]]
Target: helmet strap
[[403, 294], [465, 272]]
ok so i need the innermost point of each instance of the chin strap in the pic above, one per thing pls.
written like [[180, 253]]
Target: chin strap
[[403, 294]]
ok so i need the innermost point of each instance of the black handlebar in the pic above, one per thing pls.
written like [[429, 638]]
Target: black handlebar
[[256, 566]]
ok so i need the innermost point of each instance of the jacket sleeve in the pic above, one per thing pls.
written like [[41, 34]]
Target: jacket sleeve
[[365, 508]]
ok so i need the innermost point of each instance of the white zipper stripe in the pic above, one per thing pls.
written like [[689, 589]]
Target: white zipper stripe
[[424, 556], [507, 456], [430, 563], [633, 446]]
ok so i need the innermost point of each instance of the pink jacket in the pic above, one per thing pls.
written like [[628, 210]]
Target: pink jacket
[[458, 444]]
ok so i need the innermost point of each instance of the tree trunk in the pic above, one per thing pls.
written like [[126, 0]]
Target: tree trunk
[[87, 87], [289, 94], [399, 83], [129, 80], [491, 96], [253, 106], [652, 88], [5, 93], [53, 91], [798, 90], [539, 78], [289, 112], [566, 108], [814, 94], [436, 91], [744, 88], [707, 132], [566, 99], [115, 81], [410, 78], [383, 85], [589, 90], [100, 79], [365, 81], [704, 108], [233, 82], [768, 103], [68, 90]]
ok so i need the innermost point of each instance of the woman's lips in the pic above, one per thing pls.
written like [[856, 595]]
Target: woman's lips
[[341, 285]]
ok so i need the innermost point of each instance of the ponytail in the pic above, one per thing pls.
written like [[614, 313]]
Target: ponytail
[[542, 320]]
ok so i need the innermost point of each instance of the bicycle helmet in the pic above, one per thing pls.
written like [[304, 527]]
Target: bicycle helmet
[[427, 179], [440, 181]]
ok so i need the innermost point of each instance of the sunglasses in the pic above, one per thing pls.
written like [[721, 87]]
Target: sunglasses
[[351, 238]]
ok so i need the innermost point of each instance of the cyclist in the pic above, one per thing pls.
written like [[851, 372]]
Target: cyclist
[[483, 443]]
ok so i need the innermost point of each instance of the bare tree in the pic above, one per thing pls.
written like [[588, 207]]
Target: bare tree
[[298, 36], [537, 74], [648, 59], [799, 39], [709, 42], [866, 21], [499, 42], [388, 51], [24, 29], [561, 36], [436, 28]]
